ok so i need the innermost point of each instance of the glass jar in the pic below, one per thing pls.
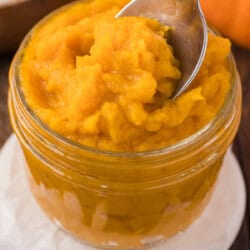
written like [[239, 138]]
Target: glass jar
[[122, 200]]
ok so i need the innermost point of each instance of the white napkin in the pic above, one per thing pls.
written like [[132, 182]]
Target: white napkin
[[23, 226]]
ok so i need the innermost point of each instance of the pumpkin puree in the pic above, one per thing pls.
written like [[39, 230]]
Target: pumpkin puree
[[106, 82]]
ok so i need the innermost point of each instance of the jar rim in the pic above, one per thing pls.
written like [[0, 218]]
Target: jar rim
[[186, 142]]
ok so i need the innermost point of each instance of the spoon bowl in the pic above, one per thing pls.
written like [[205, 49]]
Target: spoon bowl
[[188, 31]]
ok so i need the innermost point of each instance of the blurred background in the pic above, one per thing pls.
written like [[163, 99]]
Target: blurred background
[[231, 18]]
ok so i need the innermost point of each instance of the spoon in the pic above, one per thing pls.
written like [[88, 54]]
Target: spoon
[[188, 31]]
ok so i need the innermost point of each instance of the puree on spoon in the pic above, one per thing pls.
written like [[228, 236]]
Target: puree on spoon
[[106, 82]]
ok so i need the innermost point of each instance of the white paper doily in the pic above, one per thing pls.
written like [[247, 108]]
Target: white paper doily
[[23, 226]]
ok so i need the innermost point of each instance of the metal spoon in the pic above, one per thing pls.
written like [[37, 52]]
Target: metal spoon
[[189, 31]]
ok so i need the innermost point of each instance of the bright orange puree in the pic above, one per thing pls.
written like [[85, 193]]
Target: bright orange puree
[[106, 82]]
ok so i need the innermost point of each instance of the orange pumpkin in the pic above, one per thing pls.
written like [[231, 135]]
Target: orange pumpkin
[[230, 17]]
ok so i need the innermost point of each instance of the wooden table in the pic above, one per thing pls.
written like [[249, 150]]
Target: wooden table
[[241, 145]]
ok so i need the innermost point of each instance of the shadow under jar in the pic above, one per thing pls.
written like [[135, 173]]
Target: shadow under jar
[[122, 200]]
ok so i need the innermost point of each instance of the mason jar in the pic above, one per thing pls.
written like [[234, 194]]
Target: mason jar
[[122, 200]]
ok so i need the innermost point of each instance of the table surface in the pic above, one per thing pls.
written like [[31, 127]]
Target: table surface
[[241, 144]]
